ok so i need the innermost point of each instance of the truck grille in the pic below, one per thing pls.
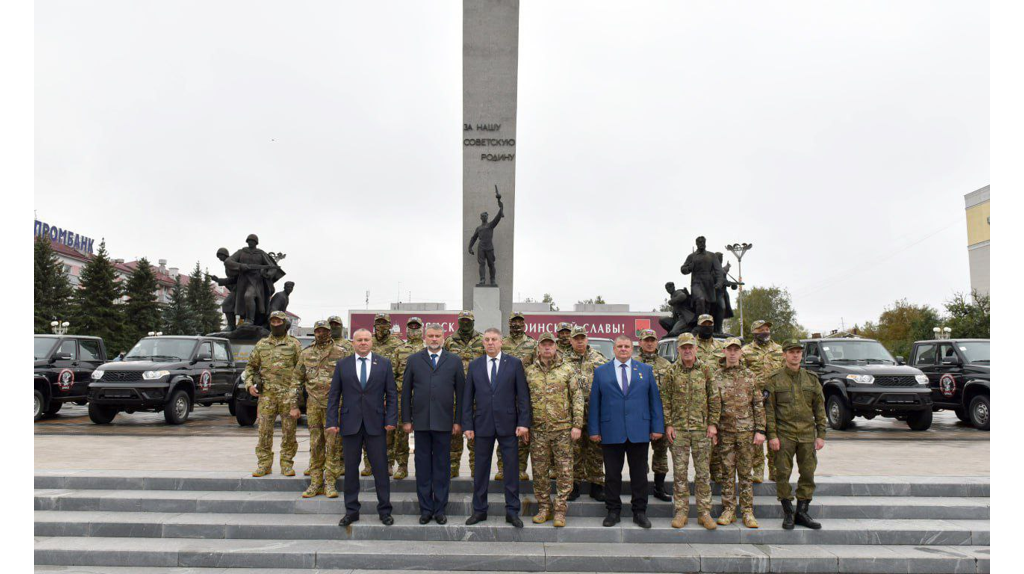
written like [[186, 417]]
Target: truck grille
[[121, 376], [896, 381]]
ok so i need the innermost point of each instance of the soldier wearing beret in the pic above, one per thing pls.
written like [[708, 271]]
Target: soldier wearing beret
[[649, 355]]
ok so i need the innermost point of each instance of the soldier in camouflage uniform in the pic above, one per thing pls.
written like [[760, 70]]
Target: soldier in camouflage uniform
[[692, 411], [588, 459], [764, 357], [468, 344], [314, 372], [557, 404], [413, 344], [521, 346], [384, 344], [709, 351], [649, 355], [564, 333], [796, 427], [338, 334], [741, 424], [273, 361]]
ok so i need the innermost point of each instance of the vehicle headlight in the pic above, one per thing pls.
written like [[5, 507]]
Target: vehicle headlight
[[150, 375], [862, 379], [921, 379], [97, 374]]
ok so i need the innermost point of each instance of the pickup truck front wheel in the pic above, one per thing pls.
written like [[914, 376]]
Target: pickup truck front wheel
[[101, 415], [40, 405], [980, 414], [176, 409], [839, 415], [921, 420], [245, 414]]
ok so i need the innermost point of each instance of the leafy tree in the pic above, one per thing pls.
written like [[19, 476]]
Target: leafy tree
[[969, 319], [901, 324], [549, 300], [598, 301], [202, 302], [177, 317], [96, 310], [770, 303], [141, 310], [53, 290]]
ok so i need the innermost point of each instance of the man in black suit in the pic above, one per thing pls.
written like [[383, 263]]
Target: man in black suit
[[497, 407], [432, 390], [364, 388]]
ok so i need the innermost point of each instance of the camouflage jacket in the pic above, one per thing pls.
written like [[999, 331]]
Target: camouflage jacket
[[563, 348], [741, 404], [796, 406], [688, 397], [315, 370], [585, 364], [466, 349], [347, 345], [555, 396], [764, 360], [521, 348], [709, 351], [659, 364], [386, 348], [273, 360], [401, 357]]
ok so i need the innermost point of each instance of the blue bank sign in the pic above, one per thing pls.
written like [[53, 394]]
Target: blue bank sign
[[64, 236]]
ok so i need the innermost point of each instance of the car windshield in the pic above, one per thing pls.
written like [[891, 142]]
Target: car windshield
[[603, 346], [161, 349], [43, 346], [853, 351], [975, 351]]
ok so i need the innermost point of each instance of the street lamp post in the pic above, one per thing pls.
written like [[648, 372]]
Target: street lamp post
[[59, 327], [740, 249]]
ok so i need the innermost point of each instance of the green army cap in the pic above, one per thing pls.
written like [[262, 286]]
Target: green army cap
[[578, 330], [648, 334], [760, 323], [322, 324], [792, 344], [466, 315], [705, 318], [516, 315], [564, 326], [732, 341], [335, 319], [279, 315], [414, 320], [547, 336], [386, 317], [686, 339]]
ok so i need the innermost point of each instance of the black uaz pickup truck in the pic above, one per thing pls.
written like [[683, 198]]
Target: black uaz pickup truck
[[63, 367], [164, 373], [958, 373]]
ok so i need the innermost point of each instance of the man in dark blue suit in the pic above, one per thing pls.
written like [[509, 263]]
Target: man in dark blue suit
[[364, 390], [432, 390], [497, 408], [625, 410]]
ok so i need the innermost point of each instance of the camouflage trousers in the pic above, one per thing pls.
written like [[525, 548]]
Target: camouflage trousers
[[268, 409], [325, 458], [545, 447], [736, 464], [763, 457], [694, 444], [659, 461], [807, 462], [457, 449], [524, 453], [587, 460]]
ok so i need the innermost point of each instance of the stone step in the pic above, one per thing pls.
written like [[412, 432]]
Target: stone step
[[405, 503], [506, 556], [206, 481], [585, 529]]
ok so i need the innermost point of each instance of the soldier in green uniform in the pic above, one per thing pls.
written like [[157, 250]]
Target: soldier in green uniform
[[692, 410], [314, 372], [588, 459], [764, 357], [742, 422], [413, 344], [384, 344], [564, 340], [273, 361], [557, 406], [649, 355], [338, 334], [521, 346], [796, 427], [468, 344]]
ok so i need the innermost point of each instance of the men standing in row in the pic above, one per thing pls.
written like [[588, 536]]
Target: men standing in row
[[384, 344], [273, 361], [692, 410], [587, 457], [557, 401], [649, 356], [399, 447], [796, 427], [468, 344], [742, 424], [521, 346], [763, 356], [314, 372], [497, 409], [432, 410]]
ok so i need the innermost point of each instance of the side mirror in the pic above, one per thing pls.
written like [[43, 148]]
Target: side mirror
[[202, 357], [62, 357], [900, 360], [813, 361], [952, 361]]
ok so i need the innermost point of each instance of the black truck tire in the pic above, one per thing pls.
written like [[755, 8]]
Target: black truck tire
[[54, 408], [962, 415], [101, 415], [177, 408], [981, 416], [231, 406], [839, 415], [245, 414], [40, 405], [920, 420]]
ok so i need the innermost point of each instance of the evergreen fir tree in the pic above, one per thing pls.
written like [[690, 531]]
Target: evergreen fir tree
[[202, 302], [96, 310], [177, 315], [53, 290], [141, 311]]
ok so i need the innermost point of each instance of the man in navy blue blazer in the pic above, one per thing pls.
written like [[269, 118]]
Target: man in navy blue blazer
[[497, 408], [363, 389], [625, 410]]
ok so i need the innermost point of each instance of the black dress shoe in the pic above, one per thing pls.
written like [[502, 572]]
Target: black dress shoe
[[640, 518], [387, 520], [425, 519], [441, 519], [477, 517], [611, 520], [348, 519], [513, 520]]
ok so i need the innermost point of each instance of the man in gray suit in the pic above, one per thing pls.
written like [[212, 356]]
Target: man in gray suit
[[431, 410]]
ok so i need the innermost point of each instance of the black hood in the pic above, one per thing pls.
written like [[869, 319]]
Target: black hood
[[142, 366], [875, 369]]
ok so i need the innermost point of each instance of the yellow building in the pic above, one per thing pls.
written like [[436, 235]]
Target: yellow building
[[977, 203]]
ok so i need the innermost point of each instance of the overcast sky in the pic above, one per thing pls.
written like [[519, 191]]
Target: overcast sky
[[838, 137]]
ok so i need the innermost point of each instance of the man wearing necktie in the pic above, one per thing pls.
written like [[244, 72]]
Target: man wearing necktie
[[363, 390], [625, 415], [432, 389], [497, 409]]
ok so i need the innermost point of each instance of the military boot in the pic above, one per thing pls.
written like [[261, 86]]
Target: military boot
[[706, 521], [748, 520], [329, 489], [367, 471], [402, 472], [659, 487], [305, 472], [262, 470], [804, 519], [500, 475], [287, 470], [680, 519], [543, 514], [560, 519], [597, 492], [727, 517], [575, 491], [523, 475], [315, 488], [787, 514]]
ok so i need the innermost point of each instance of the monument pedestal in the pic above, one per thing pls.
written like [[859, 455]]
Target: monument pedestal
[[487, 308]]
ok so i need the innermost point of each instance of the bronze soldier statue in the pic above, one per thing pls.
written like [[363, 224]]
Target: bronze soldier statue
[[485, 233], [683, 318], [257, 272], [706, 277], [229, 282]]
